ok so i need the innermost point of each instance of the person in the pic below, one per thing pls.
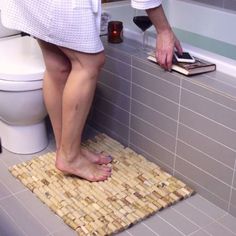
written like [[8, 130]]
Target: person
[[68, 34]]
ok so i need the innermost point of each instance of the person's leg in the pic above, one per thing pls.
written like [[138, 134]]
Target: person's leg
[[77, 99], [58, 68]]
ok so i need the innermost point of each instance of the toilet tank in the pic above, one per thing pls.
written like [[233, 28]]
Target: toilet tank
[[4, 32]]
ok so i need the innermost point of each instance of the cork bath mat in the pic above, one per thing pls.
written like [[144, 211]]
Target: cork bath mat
[[137, 189]]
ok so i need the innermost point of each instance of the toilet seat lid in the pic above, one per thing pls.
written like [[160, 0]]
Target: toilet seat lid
[[21, 60]]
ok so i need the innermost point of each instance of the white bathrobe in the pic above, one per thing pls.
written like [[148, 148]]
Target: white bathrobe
[[73, 24]]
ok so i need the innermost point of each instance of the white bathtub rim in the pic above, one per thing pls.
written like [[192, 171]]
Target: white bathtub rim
[[223, 64]]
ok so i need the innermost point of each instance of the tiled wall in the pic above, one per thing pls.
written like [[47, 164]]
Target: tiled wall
[[185, 125], [227, 4]]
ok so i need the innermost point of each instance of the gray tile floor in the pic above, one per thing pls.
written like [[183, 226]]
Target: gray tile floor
[[22, 214]]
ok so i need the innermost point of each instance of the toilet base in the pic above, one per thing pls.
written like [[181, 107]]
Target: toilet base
[[24, 139]]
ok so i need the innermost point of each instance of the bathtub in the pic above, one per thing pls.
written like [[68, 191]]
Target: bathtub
[[205, 31]]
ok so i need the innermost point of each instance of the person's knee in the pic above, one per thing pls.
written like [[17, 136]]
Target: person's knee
[[58, 69], [95, 67]]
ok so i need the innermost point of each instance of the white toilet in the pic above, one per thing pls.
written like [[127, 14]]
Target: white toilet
[[22, 110]]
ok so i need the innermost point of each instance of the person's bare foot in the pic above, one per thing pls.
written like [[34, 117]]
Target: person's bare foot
[[84, 168], [97, 158]]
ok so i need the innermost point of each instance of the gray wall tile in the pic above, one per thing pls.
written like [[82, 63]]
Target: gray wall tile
[[178, 221], [200, 190], [218, 230], [161, 227], [232, 210], [200, 233], [205, 163], [190, 212], [112, 110], [4, 191], [159, 86], [211, 94], [218, 3], [115, 82], [234, 183], [213, 185], [233, 197], [208, 108], [155, 134], [40, 211], [124, 56], [210, 82], [155, 101], [156, 70], [230, 4], [228, 221], [149, 157], [113, 96], [152, 148], [154, 117], [111, 124], [117, 67], [206, 207], [13, 185], [209, 128], [23, 218], [206, 145], [140, 230], [7, 226]]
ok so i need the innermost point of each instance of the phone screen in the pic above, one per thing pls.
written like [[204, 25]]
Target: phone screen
[[185, 55]]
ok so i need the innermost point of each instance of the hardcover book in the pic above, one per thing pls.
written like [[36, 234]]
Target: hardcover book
[[198, 67]]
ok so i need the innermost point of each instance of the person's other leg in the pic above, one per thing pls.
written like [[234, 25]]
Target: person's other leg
[[77, 99]]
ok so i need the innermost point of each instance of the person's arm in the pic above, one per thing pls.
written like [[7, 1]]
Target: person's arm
[[166, 40]]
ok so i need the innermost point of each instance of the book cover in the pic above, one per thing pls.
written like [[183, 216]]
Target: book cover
[[198, 67]]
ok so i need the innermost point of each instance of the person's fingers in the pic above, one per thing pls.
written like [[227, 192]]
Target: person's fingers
[[178, 47], [169, 58]]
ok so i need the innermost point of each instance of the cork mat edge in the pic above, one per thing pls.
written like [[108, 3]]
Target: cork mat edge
[[136, 190]]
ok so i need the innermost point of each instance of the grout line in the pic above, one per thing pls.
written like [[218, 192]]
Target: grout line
[[211, 89], [194, 223], [172, 225], [151, 108], [219, 198], [116, 75], [150, 228], [177, 130], [153, 93], [234, 150], [209, 156], [13, 221], [162, 163], [108, 130], [110, 117], [152, 141], [208, 118], [154, 67], [32, 216], [130, 102], [118, 91], [156, 127], [199, 231], [203, 212], [207, 173]]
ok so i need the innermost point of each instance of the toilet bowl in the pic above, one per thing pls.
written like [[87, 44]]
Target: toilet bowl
[[22, 109]]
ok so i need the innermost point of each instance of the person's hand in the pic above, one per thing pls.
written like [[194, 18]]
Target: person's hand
[[165, 44]]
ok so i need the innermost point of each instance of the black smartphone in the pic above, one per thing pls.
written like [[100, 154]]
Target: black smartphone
[[185, 57]]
